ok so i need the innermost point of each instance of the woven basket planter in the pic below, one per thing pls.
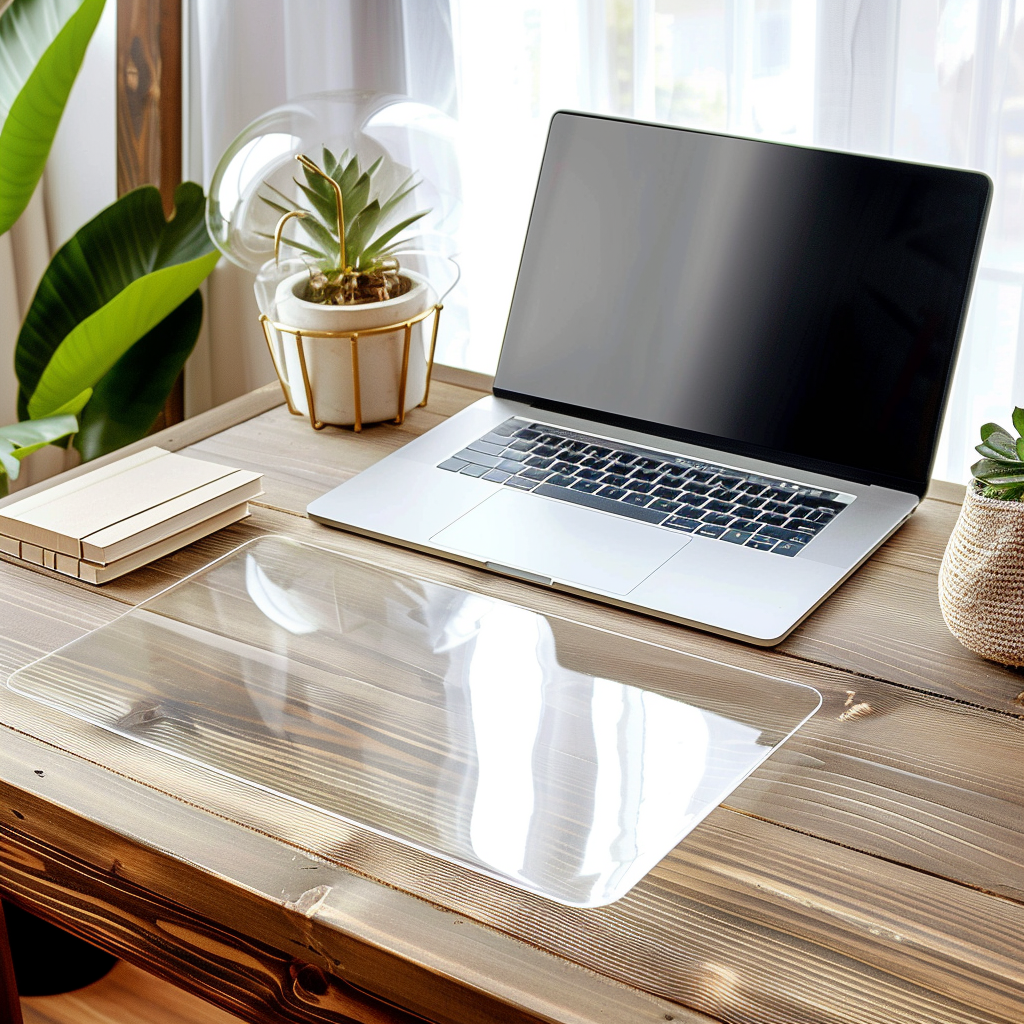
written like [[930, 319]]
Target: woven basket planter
[[981, 581]]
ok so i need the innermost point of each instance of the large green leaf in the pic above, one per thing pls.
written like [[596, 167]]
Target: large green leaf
[[42, 43], [111, 284], [21, 439], [128, 400]]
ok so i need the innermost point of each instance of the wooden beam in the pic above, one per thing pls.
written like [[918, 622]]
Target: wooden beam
[[149, 69]]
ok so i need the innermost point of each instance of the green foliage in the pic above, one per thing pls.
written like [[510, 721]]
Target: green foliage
[[1000, 473], [21, 439], [42, 43], [112, 285], [366, 247]]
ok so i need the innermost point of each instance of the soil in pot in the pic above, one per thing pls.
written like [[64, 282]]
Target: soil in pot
[[48, 960]]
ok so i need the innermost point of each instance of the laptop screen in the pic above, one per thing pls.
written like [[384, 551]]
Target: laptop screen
[[788, 303]]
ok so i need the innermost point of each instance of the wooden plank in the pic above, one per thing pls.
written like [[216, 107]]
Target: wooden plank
[[196, 909], [813, 933]]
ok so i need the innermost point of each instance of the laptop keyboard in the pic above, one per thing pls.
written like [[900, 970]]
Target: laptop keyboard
[[670, 491]]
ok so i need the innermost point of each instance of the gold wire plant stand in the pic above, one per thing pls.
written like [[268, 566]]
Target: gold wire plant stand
[[354, 338]]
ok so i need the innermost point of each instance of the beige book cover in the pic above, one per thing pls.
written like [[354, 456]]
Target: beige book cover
[[93, 573], [138, 532], [60, 517]]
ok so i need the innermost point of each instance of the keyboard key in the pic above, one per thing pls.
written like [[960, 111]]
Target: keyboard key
[[453, 465], [588, 474], [614, 479], [834, 506], [693, 511], [648, 463], [597, 501], [710, 531], [496, 476], [508, 466], [702, 477], [598, 451], [545, 451], [772, 519], [564, 467], [672, 480], [562, 480], [714, 505], [745, 513], [640, 486], [682, 523], [527, 434], [729, 481], [635, 498], [787, 535], [803, 526], [624, 458], [775, 506], [717, 518], [494, 438], [752, 488], [724, 494], [478, 458], [737, 536], [521, 446], [487, 449], [664, 505], [667, 492], [539, 463], [799, 512], [473, 470], [521, 483], [534, 474], [697, 487], [613, 492], [761, 543], [787, 549], [571, 457], [514, 455], [692, 498], [595, 463], [645, 474], [587, 485]]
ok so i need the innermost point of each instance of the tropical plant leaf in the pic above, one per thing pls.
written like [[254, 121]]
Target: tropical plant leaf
[[996, 455], [21, 439], [994, 436], [42, 43], [111, 284], [325, 205], [127, 401], [361, 231], [1020, 448]]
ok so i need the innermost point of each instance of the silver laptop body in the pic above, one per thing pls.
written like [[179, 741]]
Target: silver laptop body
[[721, 383]]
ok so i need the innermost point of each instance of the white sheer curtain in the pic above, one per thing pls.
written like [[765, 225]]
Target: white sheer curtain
[[247, 56], [932, 80]]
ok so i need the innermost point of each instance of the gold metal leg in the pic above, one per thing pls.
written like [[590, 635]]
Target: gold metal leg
[[403, 380], [430, 361], [265, 323], [358, 425], [316, 424]]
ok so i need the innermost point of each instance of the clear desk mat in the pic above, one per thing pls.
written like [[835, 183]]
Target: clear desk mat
[[560, 758]]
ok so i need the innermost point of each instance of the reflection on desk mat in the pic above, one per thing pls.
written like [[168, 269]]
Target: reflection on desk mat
[[559, 758]]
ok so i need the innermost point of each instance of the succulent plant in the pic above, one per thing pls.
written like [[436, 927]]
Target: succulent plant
[[1000, 473], [356, 264]]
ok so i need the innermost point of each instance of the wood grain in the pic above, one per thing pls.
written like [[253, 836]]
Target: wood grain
[[127, 995], [870, 871]]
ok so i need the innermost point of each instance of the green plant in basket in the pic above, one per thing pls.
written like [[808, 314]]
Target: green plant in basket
[[1000, 473], [354, 263]]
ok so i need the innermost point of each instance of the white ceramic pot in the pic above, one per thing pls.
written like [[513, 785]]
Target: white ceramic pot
[[329, 360]]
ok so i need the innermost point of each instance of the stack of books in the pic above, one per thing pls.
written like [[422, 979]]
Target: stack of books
[[124, 515]]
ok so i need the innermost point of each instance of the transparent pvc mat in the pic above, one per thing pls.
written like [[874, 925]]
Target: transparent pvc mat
[[560, 758]]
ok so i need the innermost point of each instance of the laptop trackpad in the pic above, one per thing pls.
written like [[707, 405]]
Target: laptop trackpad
[[553, 539]]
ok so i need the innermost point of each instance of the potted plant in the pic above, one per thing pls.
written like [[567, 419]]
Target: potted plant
[[332, 312], [981, 581]]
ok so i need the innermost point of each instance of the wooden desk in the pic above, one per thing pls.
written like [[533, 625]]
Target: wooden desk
[[871, 871]]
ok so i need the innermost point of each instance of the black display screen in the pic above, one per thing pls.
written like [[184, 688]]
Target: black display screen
[[787, 302]]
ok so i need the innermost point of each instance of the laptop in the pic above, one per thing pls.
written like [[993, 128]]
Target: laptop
[[721, 383]]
